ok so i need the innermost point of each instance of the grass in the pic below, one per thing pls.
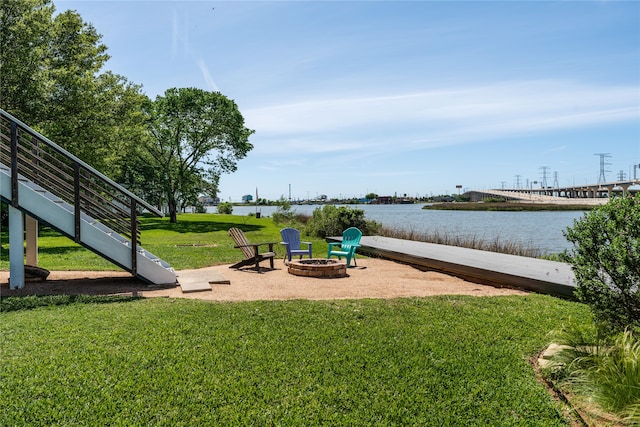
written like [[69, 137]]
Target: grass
[[450, 360], [602, 372], [495, 245], [195, 241], [201, 240]]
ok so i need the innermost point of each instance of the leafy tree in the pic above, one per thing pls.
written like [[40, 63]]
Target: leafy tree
[[196, 135], [371, 196], [51, 79], [606, 262], [25, 33]]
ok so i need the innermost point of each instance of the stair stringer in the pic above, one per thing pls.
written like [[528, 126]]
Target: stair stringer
[[95, 236]]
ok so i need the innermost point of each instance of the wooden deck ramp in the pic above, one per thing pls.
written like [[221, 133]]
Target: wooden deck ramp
[[491, 268]]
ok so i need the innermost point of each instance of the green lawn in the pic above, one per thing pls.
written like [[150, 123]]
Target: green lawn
[[445, 361], [196, 240]]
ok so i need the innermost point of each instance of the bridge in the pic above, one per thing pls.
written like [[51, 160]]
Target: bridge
[[577, 194]]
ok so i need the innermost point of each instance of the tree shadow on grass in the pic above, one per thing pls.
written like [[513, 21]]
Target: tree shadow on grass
[[195, 226], [30, 302], [67, 291]]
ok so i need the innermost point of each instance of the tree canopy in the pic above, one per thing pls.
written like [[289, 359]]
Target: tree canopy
[[196, 137], [51, 78], [168, 151]]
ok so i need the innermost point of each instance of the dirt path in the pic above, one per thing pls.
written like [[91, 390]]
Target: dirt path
[[372, 278]]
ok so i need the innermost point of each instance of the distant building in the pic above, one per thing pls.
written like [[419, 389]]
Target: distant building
[[209, 201], [247, 198]]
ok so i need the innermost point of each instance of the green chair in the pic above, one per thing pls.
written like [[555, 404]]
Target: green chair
[[350, 242]]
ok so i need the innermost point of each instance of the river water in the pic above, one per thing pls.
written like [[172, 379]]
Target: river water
[[535, 230]]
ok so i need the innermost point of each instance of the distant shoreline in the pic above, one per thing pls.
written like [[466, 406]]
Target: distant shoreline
[[507, 206]]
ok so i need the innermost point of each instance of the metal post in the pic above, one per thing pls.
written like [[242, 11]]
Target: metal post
[[134, 238], [14, 165], [76, 201]]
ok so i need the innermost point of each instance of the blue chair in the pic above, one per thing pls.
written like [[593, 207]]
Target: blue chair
[[291, 241], [350, 242]]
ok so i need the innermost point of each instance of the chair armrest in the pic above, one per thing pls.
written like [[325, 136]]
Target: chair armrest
[[332, 244], [256, 244]]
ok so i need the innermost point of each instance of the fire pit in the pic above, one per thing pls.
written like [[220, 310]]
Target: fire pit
[[318, 267]]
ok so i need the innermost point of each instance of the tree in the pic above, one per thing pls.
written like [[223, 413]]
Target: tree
[[51, 79], [195, 135], [371, 196], [606, 262], [25, 34]]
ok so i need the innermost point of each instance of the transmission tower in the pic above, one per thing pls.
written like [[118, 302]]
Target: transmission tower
[[621, 175], [518, 186], [603, 156], [544, 176], [556, 184]]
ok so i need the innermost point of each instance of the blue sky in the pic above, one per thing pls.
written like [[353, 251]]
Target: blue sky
[[395, 97]]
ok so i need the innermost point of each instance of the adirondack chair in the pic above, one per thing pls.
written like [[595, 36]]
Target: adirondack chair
[[350, 242], [250, 250], [291, 241]]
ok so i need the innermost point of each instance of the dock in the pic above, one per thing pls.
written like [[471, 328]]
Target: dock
[[484, 267]]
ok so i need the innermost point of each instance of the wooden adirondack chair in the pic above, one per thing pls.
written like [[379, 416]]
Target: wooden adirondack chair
[[250, 250], [291, 241], [350, 242]]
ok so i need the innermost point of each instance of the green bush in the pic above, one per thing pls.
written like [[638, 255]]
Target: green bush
[[606, 261], [225, 208], [283, 214], [332, 221]]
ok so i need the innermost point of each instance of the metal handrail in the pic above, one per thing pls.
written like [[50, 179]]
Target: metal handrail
[[38, 159]]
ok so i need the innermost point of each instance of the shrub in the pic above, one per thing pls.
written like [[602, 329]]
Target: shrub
[[606, 261], [607, 369], [283, 213], [332, 221], [225, 208]]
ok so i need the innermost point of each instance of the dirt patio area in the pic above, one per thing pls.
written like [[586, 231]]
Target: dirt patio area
[[372, 278]]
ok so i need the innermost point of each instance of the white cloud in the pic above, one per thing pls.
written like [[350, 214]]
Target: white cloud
[[442, 117]]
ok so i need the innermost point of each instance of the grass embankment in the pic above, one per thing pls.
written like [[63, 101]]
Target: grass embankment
[[506, 206], [449, 360]]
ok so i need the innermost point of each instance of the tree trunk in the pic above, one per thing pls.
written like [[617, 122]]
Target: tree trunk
[[173, 211]]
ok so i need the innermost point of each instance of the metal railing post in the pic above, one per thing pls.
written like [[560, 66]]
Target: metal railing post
[[134, 237], [14, 164], [76, 201]]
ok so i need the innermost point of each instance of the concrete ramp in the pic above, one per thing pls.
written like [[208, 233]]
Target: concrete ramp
[[489, 268]]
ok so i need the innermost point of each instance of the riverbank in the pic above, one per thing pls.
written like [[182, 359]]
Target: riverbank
[[507, 206]]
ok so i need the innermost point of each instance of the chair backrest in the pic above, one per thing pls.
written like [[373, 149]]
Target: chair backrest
[[292, 237], [351, 237], [241, 241]]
